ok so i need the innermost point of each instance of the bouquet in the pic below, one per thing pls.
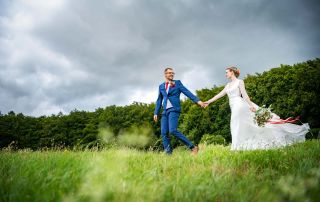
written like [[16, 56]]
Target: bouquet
[[262, 115]]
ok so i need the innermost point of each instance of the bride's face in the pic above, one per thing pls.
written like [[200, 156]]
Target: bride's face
[[229, 74]]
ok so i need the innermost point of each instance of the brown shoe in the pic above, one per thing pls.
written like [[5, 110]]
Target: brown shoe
[[195, 150]]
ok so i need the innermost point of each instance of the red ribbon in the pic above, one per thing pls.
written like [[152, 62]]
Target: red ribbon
[[281, 121]]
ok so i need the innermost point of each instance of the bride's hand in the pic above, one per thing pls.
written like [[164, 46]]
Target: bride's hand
[[253, 109], [206, 103]]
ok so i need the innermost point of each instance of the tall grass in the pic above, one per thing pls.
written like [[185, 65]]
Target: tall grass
[[216, 174]]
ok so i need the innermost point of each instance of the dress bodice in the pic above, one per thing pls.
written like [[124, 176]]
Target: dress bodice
[[233, 90]]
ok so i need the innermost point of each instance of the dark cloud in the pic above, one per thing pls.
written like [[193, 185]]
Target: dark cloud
[[63, 55]]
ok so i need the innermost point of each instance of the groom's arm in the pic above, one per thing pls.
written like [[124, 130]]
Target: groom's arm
[[158, 103], [187, 93]]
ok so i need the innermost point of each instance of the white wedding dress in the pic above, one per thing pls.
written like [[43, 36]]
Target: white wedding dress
[[247, 135]]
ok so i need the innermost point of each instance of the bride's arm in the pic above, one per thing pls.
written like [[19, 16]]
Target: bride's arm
[[219, 95], [244, 93]]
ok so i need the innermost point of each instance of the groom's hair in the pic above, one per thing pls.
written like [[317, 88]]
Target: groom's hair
[[166, 69]]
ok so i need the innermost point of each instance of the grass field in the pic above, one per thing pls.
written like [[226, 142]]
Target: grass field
[[216, 174]]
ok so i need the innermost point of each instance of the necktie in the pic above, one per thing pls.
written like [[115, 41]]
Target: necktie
[[167, 83]]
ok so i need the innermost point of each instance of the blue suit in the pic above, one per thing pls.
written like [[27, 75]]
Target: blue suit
[[170, 117]]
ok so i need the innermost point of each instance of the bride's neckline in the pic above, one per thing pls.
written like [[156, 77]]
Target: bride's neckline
[[232, 83]]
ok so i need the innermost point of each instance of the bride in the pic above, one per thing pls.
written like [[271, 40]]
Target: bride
[[246, 135]]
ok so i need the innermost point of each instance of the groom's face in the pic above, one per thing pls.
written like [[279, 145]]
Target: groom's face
[[169, 74]]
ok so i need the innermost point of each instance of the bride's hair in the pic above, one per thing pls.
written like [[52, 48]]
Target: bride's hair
[[235, 70]]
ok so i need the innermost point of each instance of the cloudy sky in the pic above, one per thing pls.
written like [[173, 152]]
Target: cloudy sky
[[60, 55]]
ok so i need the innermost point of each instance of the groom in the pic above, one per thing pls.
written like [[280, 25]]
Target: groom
[[169, 93]]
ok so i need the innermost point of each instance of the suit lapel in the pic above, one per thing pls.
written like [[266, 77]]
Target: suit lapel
[[170, 89], [163, 87]]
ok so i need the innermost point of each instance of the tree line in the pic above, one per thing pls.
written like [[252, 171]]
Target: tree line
[[293, 90]]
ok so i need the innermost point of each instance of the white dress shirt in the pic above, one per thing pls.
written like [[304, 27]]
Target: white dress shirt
[[169, 105]]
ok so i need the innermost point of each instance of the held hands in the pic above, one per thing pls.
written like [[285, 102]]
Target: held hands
[[204, 104], [201, 104]]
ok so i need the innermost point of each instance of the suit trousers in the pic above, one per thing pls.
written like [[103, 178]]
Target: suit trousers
[[169, 125]]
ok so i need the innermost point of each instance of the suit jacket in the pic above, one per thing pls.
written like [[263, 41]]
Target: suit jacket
[[173, 95]]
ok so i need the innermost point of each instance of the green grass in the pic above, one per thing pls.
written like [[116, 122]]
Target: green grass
[[216, 174]]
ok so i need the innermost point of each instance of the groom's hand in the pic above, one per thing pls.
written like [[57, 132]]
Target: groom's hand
[[200, 103], [155, 118]]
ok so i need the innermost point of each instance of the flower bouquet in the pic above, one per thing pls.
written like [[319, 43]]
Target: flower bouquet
[[262, 115]]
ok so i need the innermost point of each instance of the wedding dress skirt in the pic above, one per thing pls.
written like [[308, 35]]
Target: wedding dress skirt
[[247, 135]]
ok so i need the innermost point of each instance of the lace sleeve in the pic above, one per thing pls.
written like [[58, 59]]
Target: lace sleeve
[[244, 93], [219, 95]]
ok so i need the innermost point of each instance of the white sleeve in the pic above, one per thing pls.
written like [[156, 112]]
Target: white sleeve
[[244, 93], [219, 95]]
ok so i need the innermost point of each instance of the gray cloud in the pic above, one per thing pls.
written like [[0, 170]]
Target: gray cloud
[[63, 55]]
